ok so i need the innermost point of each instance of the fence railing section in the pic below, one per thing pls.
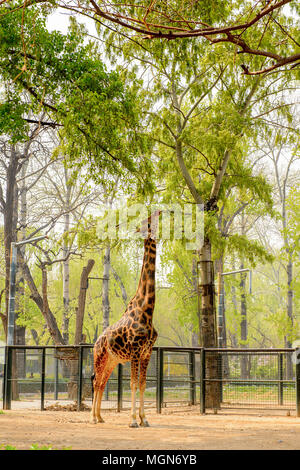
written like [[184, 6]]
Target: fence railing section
[[212, 378]]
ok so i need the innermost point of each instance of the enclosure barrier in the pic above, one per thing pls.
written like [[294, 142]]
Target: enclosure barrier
[[211, 378]]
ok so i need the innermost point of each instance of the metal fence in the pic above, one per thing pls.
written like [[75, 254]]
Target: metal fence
[[236, 378]]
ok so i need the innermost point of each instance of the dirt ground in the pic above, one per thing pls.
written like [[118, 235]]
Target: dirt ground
[[173, 429]]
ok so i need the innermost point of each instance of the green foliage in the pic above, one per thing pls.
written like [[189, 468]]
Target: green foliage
[[32, 447], [46, 447], [251, 250], [98, 113], [292, 230], [182, 277], [268, 324], [7, 447], [11, 119]]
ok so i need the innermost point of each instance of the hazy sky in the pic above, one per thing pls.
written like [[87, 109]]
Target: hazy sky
[[59, 20]]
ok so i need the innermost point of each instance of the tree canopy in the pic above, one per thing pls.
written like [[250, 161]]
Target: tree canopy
[[242, 25]]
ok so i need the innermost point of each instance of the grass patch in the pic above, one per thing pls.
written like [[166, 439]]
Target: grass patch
[[32, 447]]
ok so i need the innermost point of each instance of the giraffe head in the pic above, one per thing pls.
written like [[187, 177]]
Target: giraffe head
[[149, 227]]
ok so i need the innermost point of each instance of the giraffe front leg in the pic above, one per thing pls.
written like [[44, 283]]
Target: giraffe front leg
[[143, 372], [133, 386], [98, 406], [93, 419], [95, 392], [95, 413]]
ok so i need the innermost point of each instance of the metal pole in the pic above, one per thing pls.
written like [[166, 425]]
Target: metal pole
[[120, 387], [220, 374], [4, 379], [220, 312], [12, 286], [56, 383], [159, 383], [79, 385], [202, 382], [192, 378], [280, 376], [7, 379], [297, 355], [43, 379], [242, 271]]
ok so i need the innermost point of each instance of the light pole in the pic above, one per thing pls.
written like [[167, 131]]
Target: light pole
[[12, 286]]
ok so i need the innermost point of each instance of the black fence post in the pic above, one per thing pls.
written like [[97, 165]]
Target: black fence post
[[297, 366], [120, 387], [192, 378], [43, 379], [280, 377], [220, 375], [7, 378], [56, 382], [79, 385], [202, 381], [159, 384], [3, 379]]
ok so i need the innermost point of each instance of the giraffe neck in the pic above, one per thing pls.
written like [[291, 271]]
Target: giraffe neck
[[146, 286]]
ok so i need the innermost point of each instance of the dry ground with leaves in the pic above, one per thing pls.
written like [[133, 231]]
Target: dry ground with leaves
[[174, 429]]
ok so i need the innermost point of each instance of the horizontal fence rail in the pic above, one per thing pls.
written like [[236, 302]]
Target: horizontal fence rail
[[209, 377]]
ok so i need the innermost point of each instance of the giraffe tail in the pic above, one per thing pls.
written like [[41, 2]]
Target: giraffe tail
[[92, 380]]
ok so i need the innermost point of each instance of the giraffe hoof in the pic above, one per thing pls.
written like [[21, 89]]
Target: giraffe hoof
[[93, 421], [134, 425], [100, 420], [145, 424]]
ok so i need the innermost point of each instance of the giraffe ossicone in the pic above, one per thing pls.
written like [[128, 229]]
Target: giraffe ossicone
[[133, 336]]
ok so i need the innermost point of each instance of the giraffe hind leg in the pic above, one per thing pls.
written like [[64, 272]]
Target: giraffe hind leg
[[100, 360], [100, 383], [133, 386], [142, 384]]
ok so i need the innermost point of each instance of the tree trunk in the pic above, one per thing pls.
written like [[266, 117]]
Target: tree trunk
[[120, 282], [73, 365], [42, 302], [81, 300], [105, 287], [208, 324], [49, 317], [195, 335], [207, 296], [2, 313]]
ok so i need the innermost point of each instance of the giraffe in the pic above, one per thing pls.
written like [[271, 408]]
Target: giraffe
[[132, 337]]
